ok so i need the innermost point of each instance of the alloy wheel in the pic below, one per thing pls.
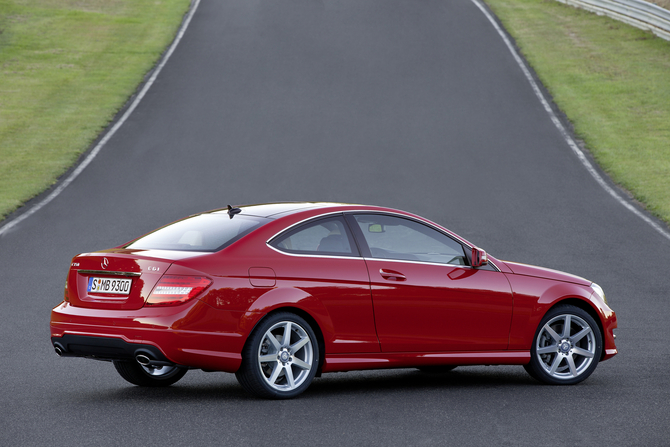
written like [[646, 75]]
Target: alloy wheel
[[285, 356], [565, 346]]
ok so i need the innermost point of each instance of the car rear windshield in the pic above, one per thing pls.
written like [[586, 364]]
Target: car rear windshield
[[204, 232]]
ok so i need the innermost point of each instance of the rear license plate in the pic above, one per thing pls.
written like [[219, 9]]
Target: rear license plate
[[109, 285]]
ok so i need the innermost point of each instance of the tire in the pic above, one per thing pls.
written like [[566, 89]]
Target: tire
[[147, 376], [565, 354], [275, 366], [437, 369]]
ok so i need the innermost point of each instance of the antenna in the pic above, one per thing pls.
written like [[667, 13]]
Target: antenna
[[232, 211]]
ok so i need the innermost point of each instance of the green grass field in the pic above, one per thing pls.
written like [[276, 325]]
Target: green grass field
[[613, 83], [66, 68]]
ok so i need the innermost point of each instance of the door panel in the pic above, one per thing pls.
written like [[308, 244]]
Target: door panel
[[438, 308]]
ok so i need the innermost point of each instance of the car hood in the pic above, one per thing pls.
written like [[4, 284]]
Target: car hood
[[541, 272]]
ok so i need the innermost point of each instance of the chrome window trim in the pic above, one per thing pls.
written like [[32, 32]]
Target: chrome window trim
[[332, 213], [314, 256], [430, 263], [425, 263]]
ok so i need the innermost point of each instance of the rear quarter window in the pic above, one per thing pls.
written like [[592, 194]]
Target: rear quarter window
[[325, 236]]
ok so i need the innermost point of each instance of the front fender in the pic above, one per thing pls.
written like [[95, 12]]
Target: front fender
[[533, 297]]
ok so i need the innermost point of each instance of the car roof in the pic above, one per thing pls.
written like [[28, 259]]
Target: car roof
[[280, 209]]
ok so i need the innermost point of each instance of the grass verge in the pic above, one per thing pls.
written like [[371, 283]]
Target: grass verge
[[613, 83], [66, 68]]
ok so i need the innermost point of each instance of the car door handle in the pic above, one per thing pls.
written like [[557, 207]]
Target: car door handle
[[392, 275]]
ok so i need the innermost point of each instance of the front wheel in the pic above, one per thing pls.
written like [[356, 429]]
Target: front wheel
[[149, 376], [280, 358], [566, 348]]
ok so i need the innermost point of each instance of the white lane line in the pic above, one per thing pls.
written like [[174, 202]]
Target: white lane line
[[98, 147], [568, 139]]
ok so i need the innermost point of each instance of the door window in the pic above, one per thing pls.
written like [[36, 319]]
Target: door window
[[390, 237]]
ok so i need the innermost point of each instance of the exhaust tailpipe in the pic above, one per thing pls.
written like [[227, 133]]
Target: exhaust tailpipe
[[143, 360], [59, 351]]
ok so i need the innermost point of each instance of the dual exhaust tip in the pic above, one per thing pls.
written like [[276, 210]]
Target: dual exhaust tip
[[142, 359]]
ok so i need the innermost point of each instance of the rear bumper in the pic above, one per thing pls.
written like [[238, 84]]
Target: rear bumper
[[104, 348], [195, 335]]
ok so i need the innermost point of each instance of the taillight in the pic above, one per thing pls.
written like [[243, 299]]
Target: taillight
[[173, 289], [66, 296]]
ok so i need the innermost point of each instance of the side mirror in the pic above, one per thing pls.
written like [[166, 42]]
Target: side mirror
[[479, 257]]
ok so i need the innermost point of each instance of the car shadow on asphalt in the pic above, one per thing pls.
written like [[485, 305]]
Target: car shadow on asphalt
[[409, 380], [221, 386]]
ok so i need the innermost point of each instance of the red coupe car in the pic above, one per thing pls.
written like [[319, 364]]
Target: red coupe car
[[281, 293]]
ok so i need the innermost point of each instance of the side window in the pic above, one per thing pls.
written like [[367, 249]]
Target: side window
[[390, 237], [329, 236]]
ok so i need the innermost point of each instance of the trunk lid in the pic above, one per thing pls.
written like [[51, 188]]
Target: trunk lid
[[117, 279]]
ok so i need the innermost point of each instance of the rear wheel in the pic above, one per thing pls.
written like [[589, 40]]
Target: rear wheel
[[566, 348], [149, 376], [280, 358]]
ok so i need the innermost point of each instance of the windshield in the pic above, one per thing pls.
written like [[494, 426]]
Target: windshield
[[204, 232]]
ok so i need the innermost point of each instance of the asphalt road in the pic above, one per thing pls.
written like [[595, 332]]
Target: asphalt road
[[413, 105]]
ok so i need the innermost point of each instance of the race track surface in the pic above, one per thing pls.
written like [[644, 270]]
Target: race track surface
[[413, 105]]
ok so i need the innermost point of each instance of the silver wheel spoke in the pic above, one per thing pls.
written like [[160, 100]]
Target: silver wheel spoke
[[300, 364], [552, 333], [287, 335], [571, 364], [566, 326], [554, 366], [582, 352], [268, 358], [299, 344], [275, 373], [548, 350], [289, 376], [275, 343], [579, 335]]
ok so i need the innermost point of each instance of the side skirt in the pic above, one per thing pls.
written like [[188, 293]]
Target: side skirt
[[350, 362]]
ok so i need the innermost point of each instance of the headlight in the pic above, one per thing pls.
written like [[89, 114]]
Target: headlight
[[599, 291]]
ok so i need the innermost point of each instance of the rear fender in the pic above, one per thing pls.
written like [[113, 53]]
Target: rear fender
[[279, 298]]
